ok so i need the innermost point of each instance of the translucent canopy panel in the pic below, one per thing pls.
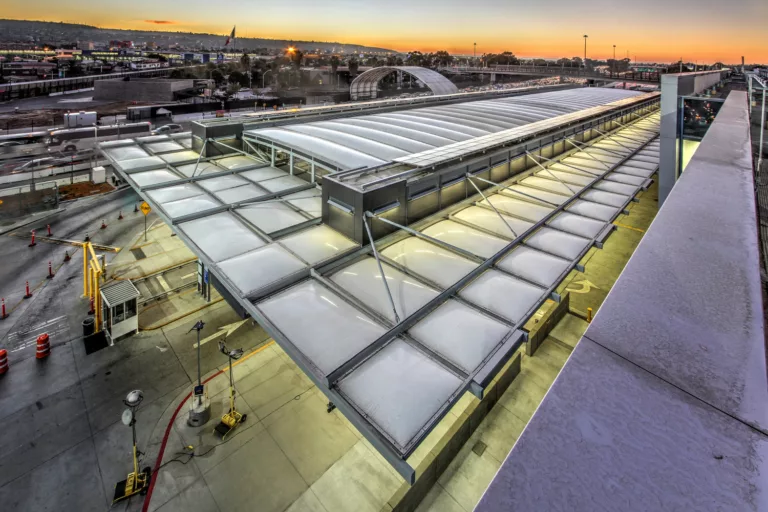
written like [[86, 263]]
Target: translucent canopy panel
[[221, 236], [601, 196], [506, 296], [400, 389], [174, 193], [534, 266], [152, 138], [592, 210], [558, 243], [308, 201], [533, 194], [164, 147], [517, 207], [126, 152], [263, 173], [256, 269], [616, 188], [363, 280], [635, 171], [599, 154], [325, 328], [431, 261], [272, 216], [589, 164], [276, 185], [222, 183], [190, 205], [240, 194], [116, 143], [462, 335], [490, 221], [628, 179], [579, 171], [146, 178], [576, 224], [140, 164], [180, 157], [237, 162], [202, 168], [464, 237], [570, 178], [550, 185], [317, 244]]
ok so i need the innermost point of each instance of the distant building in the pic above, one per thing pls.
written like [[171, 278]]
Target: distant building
[[31, 69], [67, 54]]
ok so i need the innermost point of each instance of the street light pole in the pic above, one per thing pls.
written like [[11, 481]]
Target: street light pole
[[614, 58], [585, 50]]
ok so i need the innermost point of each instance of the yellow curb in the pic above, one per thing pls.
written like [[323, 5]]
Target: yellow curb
[[183, 262]]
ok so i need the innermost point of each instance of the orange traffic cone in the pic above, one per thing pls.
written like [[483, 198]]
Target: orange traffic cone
[[43, 347], [103, 225], [3, 361]]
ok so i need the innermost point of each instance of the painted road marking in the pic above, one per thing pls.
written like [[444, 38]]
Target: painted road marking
[[586, 286], [163, 283], [19, 340], [193, 274]]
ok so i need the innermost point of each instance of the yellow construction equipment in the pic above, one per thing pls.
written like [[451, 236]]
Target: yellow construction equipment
[[94, 271], [231, 418]]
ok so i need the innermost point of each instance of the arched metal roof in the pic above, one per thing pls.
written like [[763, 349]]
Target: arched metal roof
[[374, 139], [366, 85]]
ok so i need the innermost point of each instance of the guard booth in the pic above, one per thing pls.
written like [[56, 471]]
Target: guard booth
[[120, 315]]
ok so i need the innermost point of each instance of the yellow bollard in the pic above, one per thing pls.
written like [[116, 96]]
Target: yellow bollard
[[589, 315]]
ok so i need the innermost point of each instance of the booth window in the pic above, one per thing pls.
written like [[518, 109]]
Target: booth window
[[130, 309], [118, 316]]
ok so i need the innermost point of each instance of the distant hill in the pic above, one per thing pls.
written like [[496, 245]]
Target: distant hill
[[53, 33]]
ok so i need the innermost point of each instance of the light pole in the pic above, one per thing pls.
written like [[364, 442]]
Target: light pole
[[199, 410], [585, 50], [614, 60], [136, 482], [474, 55], [264, 76]]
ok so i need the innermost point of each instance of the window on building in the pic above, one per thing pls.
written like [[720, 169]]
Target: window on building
[[130, 309], [119, 313]]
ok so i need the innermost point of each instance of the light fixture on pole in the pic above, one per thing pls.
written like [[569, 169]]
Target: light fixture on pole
[[136, 482], [585, 50], [200, 407], [614, 58], [232, 418]]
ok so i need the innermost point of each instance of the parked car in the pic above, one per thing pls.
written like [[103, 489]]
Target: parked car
[[167, 129]]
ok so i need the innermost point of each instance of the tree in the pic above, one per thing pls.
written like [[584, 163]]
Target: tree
[[159, 57], [335, 63], [415, 58], [245, 61], [296, 57], [217, 76], [442, 58], [577, 62], [353, 66], [237, 77]]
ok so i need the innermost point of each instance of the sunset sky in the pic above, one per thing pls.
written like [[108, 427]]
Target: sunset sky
[[651, 30]]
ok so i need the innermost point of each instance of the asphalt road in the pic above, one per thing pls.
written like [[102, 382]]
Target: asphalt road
[[56, 306]]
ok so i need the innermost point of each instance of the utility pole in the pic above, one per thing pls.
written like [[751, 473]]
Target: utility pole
[[585, 50], [614, 58], [474, 55]]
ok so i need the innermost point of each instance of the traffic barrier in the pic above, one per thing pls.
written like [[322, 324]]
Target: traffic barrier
[[3, 361], [103, 224], [50, 271], [91, 309], [67, 257], [135, 208], [120, 217], [29, 293], [87, 238], [48, 227], [3, 314], [32, 243], [43, 346]]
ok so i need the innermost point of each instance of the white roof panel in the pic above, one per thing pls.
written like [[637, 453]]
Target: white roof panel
[[490, 221], [263, 173], [240, 194], [317, 244], [593, 210], [439, 265], [616, 188], [276, 185], [464, 237], [202, 168], [558, 243], [130, 152], [256, 269], [180, 157], [506, 296], [400, 389], [237, 162], [174, 193], [140, 164], [550, 185], [324, 327], [601, 196], [221, 236], [534, 266], [363, 280], [272, 216], [518, 207], [190, 205], [459, 333], [146, 178], [222, 183], [532, 194], [576, 224], [309, 201]]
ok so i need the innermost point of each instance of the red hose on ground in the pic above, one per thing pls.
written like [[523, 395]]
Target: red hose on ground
[[159, 460]]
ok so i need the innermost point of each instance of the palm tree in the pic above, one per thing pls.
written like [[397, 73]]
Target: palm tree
[[334, 67]]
